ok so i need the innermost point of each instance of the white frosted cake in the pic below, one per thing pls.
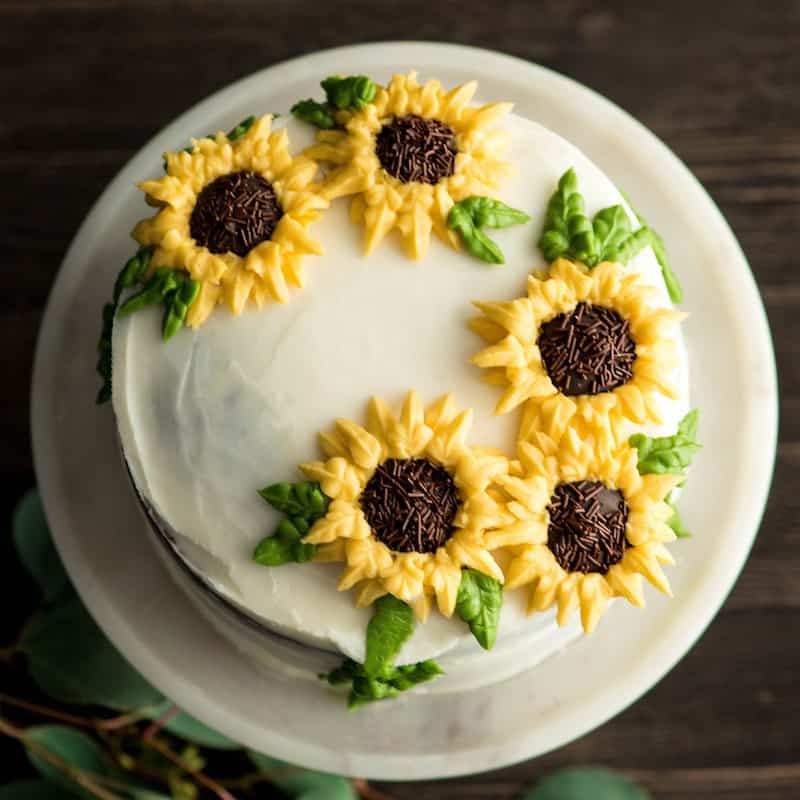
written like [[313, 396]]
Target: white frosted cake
[[480, 523]]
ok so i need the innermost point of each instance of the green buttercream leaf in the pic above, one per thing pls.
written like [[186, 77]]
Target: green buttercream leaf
[[131, 274], [565, 221], [285, 545], [655, 241], [675, 522], [303, 499], [318, 114], [490, 213], [468, 216], [586, 783], [354, 91], [368, 689], [479, 602], [390, 626], [177, 303], [241, 129], [668, 455]]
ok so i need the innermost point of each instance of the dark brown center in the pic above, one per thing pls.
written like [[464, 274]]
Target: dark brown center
[[418, 149], [588, 351], [410, 504], [587, 526], [234, 213]]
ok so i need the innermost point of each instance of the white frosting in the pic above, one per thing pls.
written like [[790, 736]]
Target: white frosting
[[213, 415]]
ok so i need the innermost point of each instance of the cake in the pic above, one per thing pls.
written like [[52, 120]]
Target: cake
[[400, 383]]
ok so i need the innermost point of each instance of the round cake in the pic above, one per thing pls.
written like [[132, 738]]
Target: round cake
[[400, 381]]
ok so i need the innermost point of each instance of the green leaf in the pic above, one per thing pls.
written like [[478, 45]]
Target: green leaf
[[301, 782], [408, 675], [74, 747], [565, 220], [177, 304], [354, 91], [490, 213], [241, 129], [72, 661], [469, 215], [286, 544], [317, 114], [35, 547], [303, 499], [586, 783], [479, 602], [191, 729], [673, 285], [34, 790], [160, 284], [391, 625], [668, 455], [675, 522]]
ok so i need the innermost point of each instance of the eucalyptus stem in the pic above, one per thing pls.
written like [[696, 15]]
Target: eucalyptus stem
[[197, 775], [86, 780], [44, 711], [367, 792]]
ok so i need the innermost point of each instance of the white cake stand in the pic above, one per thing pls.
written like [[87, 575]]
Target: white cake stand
[[100, 533]]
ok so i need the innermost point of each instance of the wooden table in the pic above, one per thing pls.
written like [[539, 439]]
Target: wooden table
[[86, 82]]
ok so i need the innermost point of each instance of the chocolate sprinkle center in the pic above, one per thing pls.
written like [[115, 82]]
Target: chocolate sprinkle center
[[234, 213], [587, 526], [588, 351], [414, 148], [410, 504]]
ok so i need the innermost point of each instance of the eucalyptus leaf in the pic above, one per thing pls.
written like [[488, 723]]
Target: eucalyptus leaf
[[479, 603], [35, 548], [75, 747], [586, 783], [301, 782], [34, 790], [191, 729], [391, 625], [72, 661]]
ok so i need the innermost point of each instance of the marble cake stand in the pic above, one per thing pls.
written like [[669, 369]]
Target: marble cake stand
[[100, 534]]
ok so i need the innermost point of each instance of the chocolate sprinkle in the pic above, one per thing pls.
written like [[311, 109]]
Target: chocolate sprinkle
[[234, 213], [588, 351], [587, 526], [418, 149], [410, 504]]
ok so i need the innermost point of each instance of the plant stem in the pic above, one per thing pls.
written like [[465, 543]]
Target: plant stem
[[199, 776], [366, 792], [121, 721], [44, 711], [86, 780]]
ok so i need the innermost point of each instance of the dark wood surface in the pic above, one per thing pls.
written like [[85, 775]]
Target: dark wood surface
[[84, 83]]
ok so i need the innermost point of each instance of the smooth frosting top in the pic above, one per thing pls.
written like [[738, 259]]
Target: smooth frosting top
[[218, 412]]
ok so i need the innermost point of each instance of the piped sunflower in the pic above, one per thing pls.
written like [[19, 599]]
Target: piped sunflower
[[410, 503], [410, 155], [584, 350], [586, 526], [234, 214]]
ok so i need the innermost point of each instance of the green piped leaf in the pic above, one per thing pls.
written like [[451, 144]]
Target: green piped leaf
[[569, 232], [676, 523], [479, 602], [391, 625], [355, 91], [285, 545], [318, 114], [471, 214], [668, 455], [303, 499]]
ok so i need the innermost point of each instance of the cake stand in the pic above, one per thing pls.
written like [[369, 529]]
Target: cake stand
[[100, 531]]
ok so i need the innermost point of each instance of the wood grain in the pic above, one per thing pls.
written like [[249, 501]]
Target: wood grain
[[86, 82]]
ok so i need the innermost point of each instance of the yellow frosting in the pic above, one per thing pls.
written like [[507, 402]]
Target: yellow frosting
[[543, 463], [513, 359], [383, 203], [269, 270], [438, 434]]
